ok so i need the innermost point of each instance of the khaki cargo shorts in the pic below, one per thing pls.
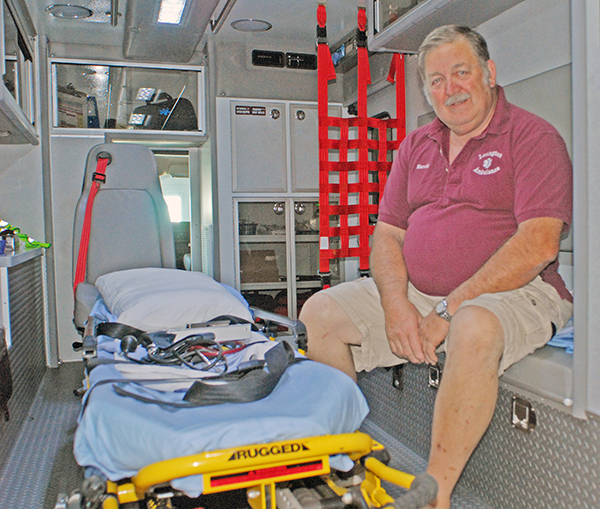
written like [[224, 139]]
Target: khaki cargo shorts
[[527, 316]]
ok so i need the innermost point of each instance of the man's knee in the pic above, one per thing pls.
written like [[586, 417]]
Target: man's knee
[[476, 333], [326, 320], [315, 309]]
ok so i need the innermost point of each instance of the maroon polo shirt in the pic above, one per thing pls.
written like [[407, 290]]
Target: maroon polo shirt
[[457, 215]]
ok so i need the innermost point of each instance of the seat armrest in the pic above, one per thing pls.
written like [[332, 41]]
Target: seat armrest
[[86, 295]]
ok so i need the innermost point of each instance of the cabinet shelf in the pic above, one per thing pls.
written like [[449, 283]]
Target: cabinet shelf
[[267, 239], [307, 238], [264, 286], [262, 239], [308, 284]]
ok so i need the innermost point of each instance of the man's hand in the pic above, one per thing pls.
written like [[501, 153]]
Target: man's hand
[[402, 329], [432, 330]]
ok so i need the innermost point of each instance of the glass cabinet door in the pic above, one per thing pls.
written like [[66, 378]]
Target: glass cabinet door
[[388, 11], [279, 254], [263, 254], [91, 96], [306, 251]]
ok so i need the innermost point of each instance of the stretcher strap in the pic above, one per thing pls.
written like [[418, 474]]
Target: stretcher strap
[[355, 157], [98, 177], [242, 386]]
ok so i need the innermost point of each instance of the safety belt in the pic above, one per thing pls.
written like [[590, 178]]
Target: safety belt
[[98, 177], [244, 385], [240, 386]]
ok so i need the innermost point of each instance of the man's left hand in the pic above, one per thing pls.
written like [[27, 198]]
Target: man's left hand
[[433, 330]]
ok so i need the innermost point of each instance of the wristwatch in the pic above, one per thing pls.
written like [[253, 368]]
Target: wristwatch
[[442, 310]]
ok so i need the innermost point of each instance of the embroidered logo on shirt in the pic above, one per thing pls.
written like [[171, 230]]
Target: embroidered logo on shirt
[[488, 163], [422, 166]]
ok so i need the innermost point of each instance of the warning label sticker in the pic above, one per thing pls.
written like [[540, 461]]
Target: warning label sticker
[[251, 110]]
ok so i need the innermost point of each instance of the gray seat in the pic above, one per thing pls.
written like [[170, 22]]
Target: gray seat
[[130, 225]]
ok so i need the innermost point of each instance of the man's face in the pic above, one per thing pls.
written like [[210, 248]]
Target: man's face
[[457, 87]]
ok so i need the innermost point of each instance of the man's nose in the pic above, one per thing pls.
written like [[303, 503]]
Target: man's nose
[[452, 86]]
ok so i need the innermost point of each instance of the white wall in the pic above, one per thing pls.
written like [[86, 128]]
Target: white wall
[[21, 197]]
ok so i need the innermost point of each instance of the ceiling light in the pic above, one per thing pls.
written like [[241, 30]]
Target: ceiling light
[[68, 11], [251, 25], [145, 94], [171, 11], [137, 119]]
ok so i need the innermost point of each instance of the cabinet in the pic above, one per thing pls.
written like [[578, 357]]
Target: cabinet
[[278, 253], [401, 25], [17, 90], [111, 96], [274, 146], [268, 181]]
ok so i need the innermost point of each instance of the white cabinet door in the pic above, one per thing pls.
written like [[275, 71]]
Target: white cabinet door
[[304, 146], [258, 146]]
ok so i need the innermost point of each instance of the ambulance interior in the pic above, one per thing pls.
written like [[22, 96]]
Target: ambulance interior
[[226, 97]]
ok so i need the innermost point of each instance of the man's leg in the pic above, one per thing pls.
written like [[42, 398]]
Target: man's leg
[[330, 333], [466, 399]]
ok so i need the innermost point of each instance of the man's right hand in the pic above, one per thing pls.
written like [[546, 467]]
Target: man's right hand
[[402, 329]]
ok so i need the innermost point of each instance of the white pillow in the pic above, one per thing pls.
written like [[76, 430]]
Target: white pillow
[[154, 299]]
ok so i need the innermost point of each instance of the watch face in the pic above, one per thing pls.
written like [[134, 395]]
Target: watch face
[[441, 307]]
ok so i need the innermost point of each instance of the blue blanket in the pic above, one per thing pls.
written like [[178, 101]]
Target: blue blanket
[[119, 435]]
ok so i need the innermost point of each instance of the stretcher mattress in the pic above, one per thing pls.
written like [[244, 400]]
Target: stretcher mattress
[[119, 435]]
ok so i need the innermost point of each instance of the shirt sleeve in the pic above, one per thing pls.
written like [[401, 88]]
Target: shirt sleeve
[[543, 175], [394, 208]]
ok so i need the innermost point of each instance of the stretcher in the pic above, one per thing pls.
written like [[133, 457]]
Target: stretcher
[[146, 443]]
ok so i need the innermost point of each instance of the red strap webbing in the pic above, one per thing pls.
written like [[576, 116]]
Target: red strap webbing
[[98, 177], [396, 75], [364, 79], [325, 73], [355, 157]]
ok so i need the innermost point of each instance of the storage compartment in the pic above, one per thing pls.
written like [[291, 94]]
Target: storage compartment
[[401, 25]]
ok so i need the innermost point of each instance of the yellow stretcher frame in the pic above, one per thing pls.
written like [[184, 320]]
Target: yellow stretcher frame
[[259, 467]]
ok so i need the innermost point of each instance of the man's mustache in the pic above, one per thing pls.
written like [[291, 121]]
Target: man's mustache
[[456, 98]]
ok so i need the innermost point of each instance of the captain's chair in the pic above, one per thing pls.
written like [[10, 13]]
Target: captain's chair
[[130, 225]]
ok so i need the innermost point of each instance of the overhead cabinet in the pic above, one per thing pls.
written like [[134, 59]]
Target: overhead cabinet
[[401, 25], [17, 88], [103, 95]]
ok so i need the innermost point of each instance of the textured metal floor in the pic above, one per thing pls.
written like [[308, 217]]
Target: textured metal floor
[[41, 463], [407, 461]]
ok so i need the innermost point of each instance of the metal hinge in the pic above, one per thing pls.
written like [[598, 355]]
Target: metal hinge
[[435, 375], [523, 415]]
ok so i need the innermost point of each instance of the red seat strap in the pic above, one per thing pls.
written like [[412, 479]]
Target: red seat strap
[[98, 177]]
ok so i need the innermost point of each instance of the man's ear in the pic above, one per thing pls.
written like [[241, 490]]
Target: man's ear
[[492, 68]]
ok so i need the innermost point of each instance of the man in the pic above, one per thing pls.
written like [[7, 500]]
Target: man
[[464, 253]]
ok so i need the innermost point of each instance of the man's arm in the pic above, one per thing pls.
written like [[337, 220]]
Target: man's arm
[[530, 250], [389, 272]]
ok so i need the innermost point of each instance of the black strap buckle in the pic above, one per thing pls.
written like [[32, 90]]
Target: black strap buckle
[[98, 177]]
